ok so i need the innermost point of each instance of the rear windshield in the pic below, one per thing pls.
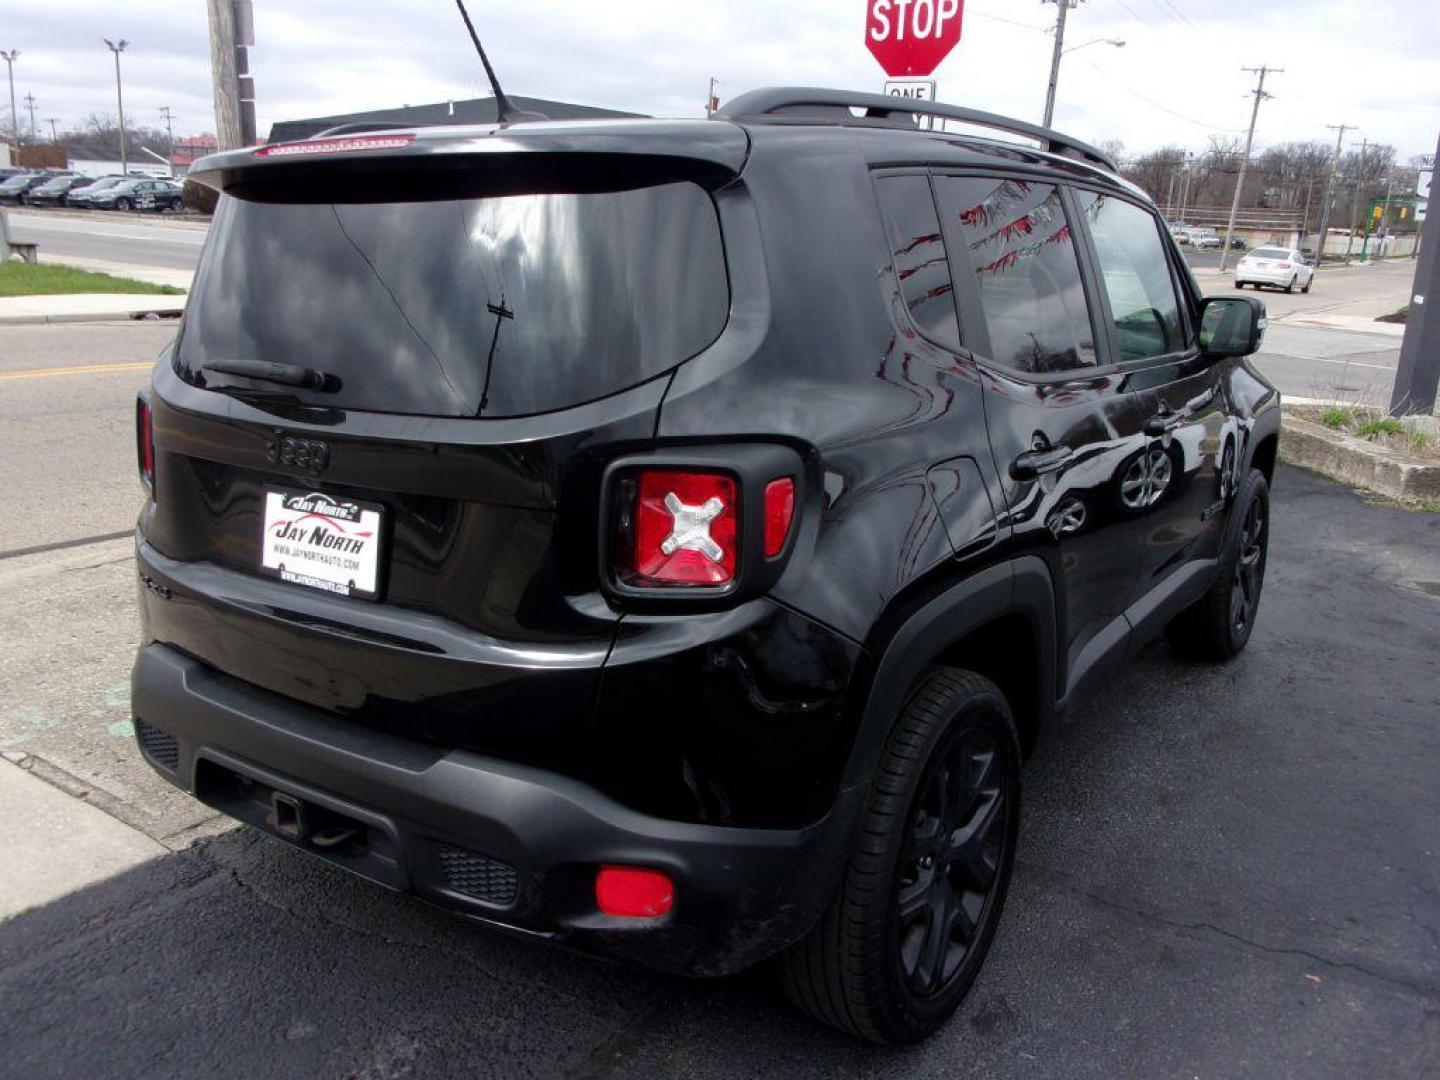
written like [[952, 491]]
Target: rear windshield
[[1269, 253], [502, 306]]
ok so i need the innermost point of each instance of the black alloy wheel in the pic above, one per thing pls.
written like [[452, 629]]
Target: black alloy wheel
[[951, 862], [1219, 624], [1249, 573], [916, 910]]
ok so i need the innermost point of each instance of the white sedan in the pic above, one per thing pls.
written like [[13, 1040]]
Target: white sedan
[[1284, 268]]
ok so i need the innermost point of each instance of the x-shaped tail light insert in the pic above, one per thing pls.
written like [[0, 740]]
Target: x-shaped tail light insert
[[691, 529]]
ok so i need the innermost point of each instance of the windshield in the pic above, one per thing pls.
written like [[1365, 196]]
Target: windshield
[[1269, 253], [502, 306]]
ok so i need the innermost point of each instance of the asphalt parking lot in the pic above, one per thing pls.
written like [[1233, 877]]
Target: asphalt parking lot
[[1225, 871]]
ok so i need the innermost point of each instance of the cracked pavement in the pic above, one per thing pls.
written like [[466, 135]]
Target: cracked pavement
[[1226, 871]]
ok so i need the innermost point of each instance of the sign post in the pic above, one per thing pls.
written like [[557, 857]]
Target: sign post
[[1418, 375], [909, 38]]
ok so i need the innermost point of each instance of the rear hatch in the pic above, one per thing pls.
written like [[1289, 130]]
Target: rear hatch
[[380, 433]]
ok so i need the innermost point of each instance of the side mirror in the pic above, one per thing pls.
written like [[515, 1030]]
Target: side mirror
[[1232, 325]]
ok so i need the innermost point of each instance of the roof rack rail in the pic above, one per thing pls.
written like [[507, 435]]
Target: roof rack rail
[[816, 103]]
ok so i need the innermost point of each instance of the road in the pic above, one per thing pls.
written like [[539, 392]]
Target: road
[[121, 239], [1225, 870]]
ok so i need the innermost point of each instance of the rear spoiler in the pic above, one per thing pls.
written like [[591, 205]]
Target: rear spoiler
[[574, 155]]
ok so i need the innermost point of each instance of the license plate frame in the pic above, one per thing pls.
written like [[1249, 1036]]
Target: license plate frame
[[327, 543]]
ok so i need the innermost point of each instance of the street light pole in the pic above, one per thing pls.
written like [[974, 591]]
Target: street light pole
[[10, 58], [1260, 96], [117, 49], [1418, 373]]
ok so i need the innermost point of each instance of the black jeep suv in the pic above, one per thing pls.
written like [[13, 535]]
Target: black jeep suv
[[669, 537]]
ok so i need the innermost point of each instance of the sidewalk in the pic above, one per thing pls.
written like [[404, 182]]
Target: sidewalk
[[87, 307], [152, 275], [54, 843]]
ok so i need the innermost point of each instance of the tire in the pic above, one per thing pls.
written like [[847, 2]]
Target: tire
[[1239, 284], [122, 203], [1290, 288], [1310, 282], [870, 967], [1218, 625]]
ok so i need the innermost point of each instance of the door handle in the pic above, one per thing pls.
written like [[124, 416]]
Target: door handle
[[1162, 423], [1033, 463]]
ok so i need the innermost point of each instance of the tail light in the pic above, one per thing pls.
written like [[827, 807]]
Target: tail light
[[145, 443], [685, 529], [688, 525], [779, 510], [1282, 266]]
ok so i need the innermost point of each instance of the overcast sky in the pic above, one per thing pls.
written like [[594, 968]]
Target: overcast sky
[[1177, 80]]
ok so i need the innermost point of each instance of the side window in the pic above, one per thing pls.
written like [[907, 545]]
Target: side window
[[1137, 277], [918, 249], [1027, 274]]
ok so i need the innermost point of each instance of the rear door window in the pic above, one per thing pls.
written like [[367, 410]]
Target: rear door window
[[1137, 277], [498, 306], [918, 251], [1021, 257]]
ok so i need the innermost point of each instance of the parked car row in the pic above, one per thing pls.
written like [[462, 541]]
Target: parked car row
[[1202, 238], [104, 193]]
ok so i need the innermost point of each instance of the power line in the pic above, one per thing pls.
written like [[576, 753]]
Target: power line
[[1135, 14], [1179, 15], [1163, 108], [1010, 22]]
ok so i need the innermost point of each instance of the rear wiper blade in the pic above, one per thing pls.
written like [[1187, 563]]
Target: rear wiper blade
[[307, 378]]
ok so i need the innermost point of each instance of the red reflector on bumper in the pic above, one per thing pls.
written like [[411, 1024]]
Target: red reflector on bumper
[[632, 893]]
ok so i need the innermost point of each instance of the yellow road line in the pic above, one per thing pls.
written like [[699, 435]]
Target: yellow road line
[[82, 369]]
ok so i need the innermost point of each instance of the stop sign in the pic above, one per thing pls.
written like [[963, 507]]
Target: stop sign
[[911, 37]]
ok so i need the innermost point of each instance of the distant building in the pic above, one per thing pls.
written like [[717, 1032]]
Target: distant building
[[190, 148], [475, 111]]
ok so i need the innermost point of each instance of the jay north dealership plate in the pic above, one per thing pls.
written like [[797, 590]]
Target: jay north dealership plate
[[322, 542]]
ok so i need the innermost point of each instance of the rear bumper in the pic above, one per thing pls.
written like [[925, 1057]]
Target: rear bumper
[[507, 843], [1266, 276]]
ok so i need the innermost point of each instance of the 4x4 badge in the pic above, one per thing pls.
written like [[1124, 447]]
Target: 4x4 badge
[[307, 455]]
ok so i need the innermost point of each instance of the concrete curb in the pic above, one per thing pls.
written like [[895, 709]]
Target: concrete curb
[[1357, 461], [160, 314]]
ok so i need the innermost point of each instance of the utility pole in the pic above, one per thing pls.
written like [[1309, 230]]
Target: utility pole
[[229, 133], [1355, 195], [1305, 214], [1063, 7], [52, 121], [117, 49], [1170, 196], [1329, 199], [1260, 95], [169, 133], [30, 104], [711, 102], [1418, 374], [10, 58], [1185, 176]]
